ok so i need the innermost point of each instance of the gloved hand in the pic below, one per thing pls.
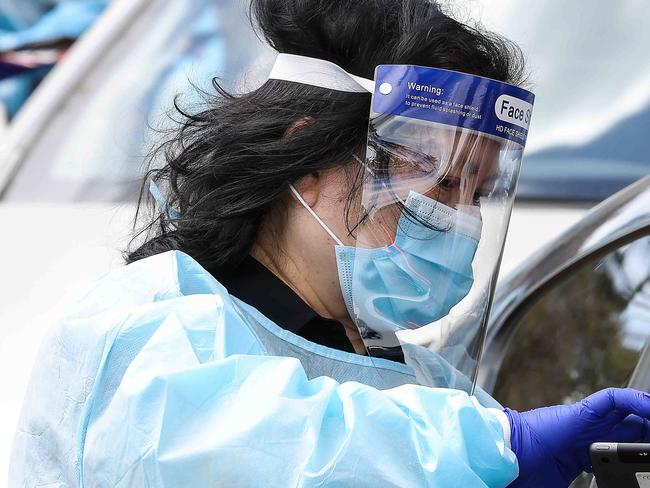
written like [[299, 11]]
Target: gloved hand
[[552, 443]]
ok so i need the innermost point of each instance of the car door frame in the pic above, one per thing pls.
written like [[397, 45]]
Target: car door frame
[[623, 216]]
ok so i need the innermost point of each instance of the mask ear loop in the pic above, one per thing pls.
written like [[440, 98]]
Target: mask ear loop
[[157, 195], [313, 214]]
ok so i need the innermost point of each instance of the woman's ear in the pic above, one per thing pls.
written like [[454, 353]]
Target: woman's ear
[[308, 185], [297, 125], [309, 188]]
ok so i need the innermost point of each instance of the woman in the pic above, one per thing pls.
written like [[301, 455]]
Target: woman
[[308, 281]]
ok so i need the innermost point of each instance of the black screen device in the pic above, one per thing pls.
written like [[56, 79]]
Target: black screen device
[[621, 465]]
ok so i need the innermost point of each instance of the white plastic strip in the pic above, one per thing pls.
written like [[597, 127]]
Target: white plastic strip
[[318, 72], [313, 214], [503, 420]]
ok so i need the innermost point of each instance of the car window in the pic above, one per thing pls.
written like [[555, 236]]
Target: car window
[[93, 149], [584, 333]]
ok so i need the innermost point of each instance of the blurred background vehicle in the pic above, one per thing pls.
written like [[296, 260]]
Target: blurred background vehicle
[[34, 36], [72, 156]]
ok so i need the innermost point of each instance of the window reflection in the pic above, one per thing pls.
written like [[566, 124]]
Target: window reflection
[[583, 334]]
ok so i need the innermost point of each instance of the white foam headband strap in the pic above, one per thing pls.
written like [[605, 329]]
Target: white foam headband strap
[[318, 72]]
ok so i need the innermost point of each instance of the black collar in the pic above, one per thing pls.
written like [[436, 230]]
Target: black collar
[[254, 284]]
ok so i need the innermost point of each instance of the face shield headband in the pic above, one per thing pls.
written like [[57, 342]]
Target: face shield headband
[[442, 160]]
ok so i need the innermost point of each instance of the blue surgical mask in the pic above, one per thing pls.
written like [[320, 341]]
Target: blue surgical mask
[[417, 279]]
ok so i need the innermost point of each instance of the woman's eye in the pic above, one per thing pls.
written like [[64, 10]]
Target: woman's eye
[[428, 165], [400, 163], [446, 184], [478, 195]]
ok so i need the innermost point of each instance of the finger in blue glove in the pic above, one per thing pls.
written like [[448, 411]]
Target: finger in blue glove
[[552, 443]]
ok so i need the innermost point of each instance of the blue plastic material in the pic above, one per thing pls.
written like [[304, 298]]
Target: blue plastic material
[[157, 377], [69, 19], [417, 279]]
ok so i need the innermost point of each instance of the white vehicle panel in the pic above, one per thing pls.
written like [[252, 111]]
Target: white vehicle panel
[[49, 251]]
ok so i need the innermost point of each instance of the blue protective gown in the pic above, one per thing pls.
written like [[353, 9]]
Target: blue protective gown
[[157, 377]]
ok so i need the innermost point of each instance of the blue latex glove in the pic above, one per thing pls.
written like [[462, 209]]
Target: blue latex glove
[[552, 443]]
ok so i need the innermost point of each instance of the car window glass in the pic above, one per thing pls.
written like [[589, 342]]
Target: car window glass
[[94, 147], [583, 334]]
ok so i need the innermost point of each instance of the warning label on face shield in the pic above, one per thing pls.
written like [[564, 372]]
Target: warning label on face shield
[[453, 98], [513, 110], [432, 103]]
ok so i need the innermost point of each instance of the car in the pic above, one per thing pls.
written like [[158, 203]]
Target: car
[[574, 318]]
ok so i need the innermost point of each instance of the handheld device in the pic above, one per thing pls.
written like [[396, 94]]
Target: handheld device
[[621, 465]]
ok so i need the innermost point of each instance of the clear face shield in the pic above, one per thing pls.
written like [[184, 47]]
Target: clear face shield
[[435, 205], [437, 187]]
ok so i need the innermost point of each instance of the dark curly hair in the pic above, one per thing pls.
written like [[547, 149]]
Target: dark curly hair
[[227, 167]]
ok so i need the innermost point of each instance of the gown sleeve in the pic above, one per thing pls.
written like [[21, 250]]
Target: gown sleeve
[[179, 393]]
